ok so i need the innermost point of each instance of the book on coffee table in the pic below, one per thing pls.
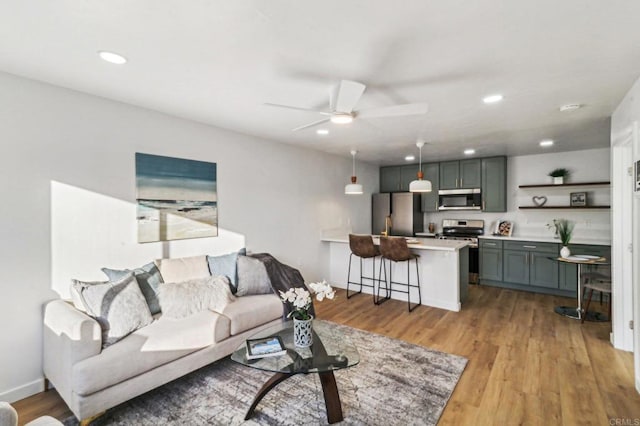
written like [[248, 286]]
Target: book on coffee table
[[264, 347]]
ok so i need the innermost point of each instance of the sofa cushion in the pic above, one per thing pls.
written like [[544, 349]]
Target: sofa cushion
[[179, 300], [118, 306], [149, 279], [152, 346], [252, 277], [183, 268], [248, 312]]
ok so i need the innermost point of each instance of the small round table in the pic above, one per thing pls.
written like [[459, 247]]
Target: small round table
[[331, 350], [577, 312]]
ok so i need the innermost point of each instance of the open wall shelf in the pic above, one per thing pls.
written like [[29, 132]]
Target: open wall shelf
[[551, 185], [563, 207]]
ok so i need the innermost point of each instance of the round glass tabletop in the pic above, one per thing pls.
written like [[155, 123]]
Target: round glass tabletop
[[331, 350]]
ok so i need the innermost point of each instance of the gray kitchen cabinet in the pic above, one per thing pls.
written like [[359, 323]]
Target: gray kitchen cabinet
[[543, 270], [568, 272], [408, 174], [494, 184], [390, 179], [460, 174], [490, 262], [516, 266], [430, 199]]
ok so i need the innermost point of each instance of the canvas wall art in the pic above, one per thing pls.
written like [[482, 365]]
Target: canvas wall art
[[177, 198]]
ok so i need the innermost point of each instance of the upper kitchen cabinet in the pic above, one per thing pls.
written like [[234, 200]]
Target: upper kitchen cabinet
[[430, 199], [494, 184], [461, 174], [397, 178]]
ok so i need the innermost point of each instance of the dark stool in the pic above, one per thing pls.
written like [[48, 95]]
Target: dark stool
[[363, 247], [396, 250]]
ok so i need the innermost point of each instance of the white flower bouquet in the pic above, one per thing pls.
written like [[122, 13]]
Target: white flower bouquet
[[299, 299]]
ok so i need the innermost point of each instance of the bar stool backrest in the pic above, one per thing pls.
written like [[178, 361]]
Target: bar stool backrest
[[395, 249], [362, 246]]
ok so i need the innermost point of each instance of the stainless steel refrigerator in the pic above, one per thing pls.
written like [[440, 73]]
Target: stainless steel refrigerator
[[404, 209]]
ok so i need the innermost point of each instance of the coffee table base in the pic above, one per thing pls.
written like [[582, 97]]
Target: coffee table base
[[329, 389]]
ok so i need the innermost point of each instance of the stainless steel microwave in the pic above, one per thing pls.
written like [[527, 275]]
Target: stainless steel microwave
[[460, 199]]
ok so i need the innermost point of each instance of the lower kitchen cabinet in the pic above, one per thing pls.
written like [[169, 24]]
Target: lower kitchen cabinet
[[531, 266]]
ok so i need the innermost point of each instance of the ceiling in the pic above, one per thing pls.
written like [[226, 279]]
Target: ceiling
[[218, 62]]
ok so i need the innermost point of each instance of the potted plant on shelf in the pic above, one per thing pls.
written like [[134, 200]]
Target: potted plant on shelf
[[559, 175], [299, 300], [564, 228]]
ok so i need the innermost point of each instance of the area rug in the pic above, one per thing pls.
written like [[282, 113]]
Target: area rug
[[395, 383]]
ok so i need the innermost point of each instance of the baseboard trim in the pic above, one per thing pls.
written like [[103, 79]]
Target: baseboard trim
[[21, 392]]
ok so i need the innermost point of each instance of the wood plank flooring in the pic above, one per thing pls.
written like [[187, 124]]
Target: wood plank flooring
[[527, 365]]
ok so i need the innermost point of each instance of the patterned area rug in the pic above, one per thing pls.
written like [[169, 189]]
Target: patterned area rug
[[396, 383]]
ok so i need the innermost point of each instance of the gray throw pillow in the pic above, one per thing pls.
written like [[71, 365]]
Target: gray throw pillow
[[118, 306], [252, 277], [179, 300], [149, 279], [226, 265]]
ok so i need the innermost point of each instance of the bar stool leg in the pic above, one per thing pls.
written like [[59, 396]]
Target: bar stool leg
[[349, 276], [586, 309]]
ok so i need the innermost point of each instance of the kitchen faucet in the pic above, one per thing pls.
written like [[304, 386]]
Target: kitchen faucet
[[387, 226]]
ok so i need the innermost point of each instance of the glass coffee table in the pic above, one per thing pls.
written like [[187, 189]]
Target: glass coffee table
[[331, 350]]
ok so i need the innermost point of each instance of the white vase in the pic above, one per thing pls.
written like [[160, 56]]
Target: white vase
[[303, 332], [558, 180], [565, 252]]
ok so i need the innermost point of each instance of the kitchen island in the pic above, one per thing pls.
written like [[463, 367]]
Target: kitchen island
[[443, 266]]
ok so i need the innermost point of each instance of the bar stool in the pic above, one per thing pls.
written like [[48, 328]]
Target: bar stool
[[362, 246], [396, 250]]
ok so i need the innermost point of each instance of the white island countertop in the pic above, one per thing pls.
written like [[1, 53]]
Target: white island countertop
[[421, 244], [546, 239]]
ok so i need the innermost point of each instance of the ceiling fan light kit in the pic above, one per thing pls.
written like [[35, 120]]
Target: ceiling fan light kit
[[420, 185], [353, 188], [342, 103]]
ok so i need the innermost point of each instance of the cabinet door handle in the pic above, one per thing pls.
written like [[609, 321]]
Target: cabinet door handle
[[526, 258], [483, 207], [531, 247], [456, 182], [489, 244], [461, 183]]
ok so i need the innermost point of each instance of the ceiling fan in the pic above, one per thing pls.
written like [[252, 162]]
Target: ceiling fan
[[344, 97]]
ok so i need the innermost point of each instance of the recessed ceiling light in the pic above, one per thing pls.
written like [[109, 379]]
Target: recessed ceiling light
[[341, 118], [410, 157], [570, 107], [546, 142], [492, 99], [322, 131], [113, 58], [469, 151]]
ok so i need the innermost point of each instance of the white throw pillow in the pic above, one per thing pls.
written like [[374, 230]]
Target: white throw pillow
[[183, 269], [179, 300]]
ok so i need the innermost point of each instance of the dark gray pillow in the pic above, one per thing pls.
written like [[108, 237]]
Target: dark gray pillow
[[252, 277], [149, 279], [118, 306]]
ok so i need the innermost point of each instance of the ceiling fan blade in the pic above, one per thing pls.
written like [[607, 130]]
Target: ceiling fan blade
[[394, 111], [347, 96], [315, 123], [297, 108]]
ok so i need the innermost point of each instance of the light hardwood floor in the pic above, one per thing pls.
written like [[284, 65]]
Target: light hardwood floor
[[527, 365]]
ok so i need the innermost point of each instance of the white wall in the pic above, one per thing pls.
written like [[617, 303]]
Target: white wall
[[585, 166], [625, 141], [68, 193]]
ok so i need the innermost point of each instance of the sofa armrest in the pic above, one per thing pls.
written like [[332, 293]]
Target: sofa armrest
[[69, 336]]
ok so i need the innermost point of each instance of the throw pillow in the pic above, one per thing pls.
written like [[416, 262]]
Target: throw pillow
[[179, 300], [149, 279], [226, 265], [118, 306], [183, 268], [252, 277]]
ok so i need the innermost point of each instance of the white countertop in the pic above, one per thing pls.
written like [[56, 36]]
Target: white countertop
[[422, 244], [545, 239]]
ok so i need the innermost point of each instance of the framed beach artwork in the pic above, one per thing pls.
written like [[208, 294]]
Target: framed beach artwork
[[177, 198]]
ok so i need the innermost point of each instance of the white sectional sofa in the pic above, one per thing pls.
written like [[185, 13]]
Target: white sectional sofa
[[91, 379]]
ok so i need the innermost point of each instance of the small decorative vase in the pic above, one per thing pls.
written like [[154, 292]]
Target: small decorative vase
[[558, 180], [302, 332], [565, 252]]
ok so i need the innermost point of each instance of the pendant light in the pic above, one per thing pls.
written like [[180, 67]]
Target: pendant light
[[420, 185], [353, 188]]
